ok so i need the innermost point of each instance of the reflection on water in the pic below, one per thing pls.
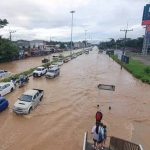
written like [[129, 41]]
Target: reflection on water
[[68, 107]]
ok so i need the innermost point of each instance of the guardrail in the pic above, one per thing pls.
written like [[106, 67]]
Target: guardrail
[[85, 141], [120, 144], [115, 144]]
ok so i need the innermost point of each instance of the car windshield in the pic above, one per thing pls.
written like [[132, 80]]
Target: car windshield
[[26, 98], [51, 71], [1, 71], [38, 69], [1, 88]]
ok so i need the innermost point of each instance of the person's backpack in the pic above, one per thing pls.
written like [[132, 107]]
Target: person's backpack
[[101, 134], [99, 116]]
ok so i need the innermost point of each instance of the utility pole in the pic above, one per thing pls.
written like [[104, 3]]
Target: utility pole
[[10, 34], [85, 37], [125, 38], [145, 42], [71, 46]]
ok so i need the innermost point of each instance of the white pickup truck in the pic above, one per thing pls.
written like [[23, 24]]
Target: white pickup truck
[[28, 101], [39, 72]]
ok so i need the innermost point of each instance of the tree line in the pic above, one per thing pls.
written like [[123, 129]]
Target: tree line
[[8, 50], [133, 44]]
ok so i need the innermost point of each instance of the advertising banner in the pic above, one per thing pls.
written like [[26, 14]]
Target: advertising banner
[[146, 15]]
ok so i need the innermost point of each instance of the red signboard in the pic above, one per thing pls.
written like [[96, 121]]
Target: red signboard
[[146, 15]]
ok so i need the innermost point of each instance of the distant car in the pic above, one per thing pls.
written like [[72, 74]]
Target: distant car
[[53, 72], [86, 51], [60, 62], [6, 87], [53, 65], [4, 73], [39, 72], [3, 103], [67, 59], [73, 56], [28, 101]]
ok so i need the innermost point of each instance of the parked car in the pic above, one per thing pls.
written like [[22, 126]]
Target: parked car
[[28, 101], [6, 87], [73, 56], [67, 59], [53, 72], [39, 72], [4, 73], [86, 51], [60, 62], [53, 65], [3, 103]]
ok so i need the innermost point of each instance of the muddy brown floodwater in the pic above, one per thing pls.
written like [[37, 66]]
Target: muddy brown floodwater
[[69, 105]]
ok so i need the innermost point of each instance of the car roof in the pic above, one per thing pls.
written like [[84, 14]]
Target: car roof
[[54, 68], [30, 92], [41, 67]]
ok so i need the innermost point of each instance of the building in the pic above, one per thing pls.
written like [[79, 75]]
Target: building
[[24, 48], [79, 44], [38, 45]]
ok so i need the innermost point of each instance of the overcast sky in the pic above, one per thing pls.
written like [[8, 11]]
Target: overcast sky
[[42, 19]]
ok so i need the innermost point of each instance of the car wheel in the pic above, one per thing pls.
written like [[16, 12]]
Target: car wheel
[[11, 89], [41, 98], [30, 110]]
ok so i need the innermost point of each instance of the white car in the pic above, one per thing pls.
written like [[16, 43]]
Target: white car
[[39, 72], [6, 87], [53, 65], [28, 101], [53, 72], [60, 62], [4, 73]]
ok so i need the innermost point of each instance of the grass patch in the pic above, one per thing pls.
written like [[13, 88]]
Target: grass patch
[[136, 68]]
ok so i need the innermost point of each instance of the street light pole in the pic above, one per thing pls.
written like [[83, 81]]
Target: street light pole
[[85, 37], [71, 46]]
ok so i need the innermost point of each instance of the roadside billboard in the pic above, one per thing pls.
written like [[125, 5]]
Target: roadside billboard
[[146, 15]]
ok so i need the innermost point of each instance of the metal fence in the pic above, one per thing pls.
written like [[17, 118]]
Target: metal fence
[[85, 141], [114, 144], [120, 144]]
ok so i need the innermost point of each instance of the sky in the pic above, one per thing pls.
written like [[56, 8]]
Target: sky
[[51, 19]]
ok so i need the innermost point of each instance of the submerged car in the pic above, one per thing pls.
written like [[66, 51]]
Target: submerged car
[[39, 72], [67, 59], [4, 73], [53, 65], [53, 72], [6, 87], [3, 103], [60, 62], [28, 101]]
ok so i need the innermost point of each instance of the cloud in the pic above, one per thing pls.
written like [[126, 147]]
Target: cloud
[[40, 19]]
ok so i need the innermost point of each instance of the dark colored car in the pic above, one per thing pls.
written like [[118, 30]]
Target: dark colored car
[[3, 104]]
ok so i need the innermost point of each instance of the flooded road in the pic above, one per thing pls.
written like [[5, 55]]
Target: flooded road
[[69, 105], [21, 65]]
